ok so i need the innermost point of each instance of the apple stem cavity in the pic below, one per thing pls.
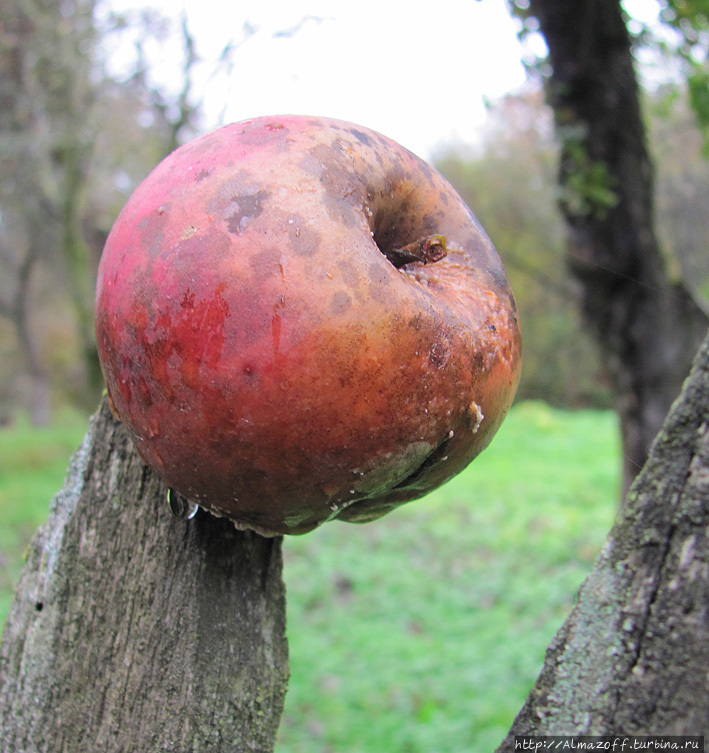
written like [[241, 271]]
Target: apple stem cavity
[[426, 250]]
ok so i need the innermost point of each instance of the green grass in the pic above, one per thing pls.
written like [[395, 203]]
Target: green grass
[[422, 632]]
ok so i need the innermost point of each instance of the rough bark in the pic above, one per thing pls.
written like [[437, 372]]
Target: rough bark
[[648, 325], [134, 630], [633, 656]]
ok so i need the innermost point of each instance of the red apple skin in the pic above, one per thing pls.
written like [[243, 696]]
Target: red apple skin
[[268, 359]]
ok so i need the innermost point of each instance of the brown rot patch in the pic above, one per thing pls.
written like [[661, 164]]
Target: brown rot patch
[[246, 208], [438, 355]]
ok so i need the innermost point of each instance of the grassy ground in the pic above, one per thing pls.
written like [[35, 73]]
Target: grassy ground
[[422, 632]]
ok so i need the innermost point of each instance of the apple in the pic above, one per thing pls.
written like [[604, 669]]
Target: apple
[[300, 320]]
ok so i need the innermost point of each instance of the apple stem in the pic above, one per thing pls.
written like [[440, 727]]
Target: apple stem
[[426, 250]]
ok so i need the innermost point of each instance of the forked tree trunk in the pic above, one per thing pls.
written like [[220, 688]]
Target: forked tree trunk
[[133, 630], [633, 656]]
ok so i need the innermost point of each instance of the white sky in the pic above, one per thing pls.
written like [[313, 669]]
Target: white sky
[[417, 72]]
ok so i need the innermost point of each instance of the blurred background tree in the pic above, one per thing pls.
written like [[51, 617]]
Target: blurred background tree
[[646, 319], [74, 142]]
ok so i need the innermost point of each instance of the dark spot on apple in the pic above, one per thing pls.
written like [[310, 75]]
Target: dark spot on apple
[[201, 175], [340, 303], [498, 276], [343, 193], [438, 355], [395, 177], [266, 263], [430, 223], [377, 275], [248, 207], [426, 170], [349, 273], [361, 137], [151, 231], [303, 239]]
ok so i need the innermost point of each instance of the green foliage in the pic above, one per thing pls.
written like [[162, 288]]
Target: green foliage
[[589, 188], [690, 21], [698, 84], [682, 181], [425, 630]]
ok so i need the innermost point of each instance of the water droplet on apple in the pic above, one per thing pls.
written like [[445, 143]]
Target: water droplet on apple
[[180, 506]]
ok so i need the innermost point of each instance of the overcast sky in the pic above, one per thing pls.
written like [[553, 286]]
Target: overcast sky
[[417, 72]]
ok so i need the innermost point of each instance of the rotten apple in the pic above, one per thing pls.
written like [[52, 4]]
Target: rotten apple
[[299, 320]]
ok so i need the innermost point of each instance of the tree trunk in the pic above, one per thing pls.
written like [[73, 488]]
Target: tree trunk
[[633, 656], [647, 325], [134, 630]]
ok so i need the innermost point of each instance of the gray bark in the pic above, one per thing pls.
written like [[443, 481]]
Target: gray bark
[[133, 630], [633, 656]]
